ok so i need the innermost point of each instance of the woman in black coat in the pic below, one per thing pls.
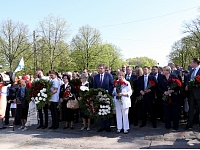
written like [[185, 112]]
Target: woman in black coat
[[67, 113], [171, 98]]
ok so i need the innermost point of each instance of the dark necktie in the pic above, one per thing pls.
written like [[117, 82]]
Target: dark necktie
[[101, 79]]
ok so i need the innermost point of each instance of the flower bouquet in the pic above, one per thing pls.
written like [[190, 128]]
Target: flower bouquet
[[175, 83], [40, 92], [150, 84], [119, 84], [194, 83], [97, 103]]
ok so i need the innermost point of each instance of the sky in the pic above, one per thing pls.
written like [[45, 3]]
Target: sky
[[138, 27]]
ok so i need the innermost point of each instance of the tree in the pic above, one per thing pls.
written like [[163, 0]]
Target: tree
[[86, 47], [13, 41], [53, 32], [141, 61]]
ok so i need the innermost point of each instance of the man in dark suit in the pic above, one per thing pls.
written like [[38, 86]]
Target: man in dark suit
[[131, 78], [105, 81], [148, 96], [174, 71], [194, 96], [158, 106]]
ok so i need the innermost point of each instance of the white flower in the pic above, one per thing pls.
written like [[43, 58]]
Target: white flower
[[108, 102], [84, 88], [44, 89], [109, 108], [36, 102], [99, 113], [103, 106], [44, 99], [40, 98], [108, 99], [105, 113], [108, 112], [100, 93], [45, 95], [38, 94], [36, 98]]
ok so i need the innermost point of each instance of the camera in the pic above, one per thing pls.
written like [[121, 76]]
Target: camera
[[7, 78]]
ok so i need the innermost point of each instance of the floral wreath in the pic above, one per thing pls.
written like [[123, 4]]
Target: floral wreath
[[97, 104], [40, 92]]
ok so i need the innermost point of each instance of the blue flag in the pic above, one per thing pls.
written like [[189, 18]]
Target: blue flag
[[20, 65]]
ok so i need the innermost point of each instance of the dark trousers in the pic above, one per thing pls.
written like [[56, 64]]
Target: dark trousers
[[171, 113], [158, 108], [105, 123], [133, 112], [13, 112], [147, 104], [7, 113], [45, 109], [192, 106], [54, 114]]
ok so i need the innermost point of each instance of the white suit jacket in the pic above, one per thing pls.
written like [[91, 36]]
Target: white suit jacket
[[126, 100]]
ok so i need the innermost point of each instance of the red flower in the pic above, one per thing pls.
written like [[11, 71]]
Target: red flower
[[152, 83], [177, 81], [115, 83], [198, 78], [66, 93]]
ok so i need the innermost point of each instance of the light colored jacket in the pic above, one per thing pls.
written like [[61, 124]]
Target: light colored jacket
[[126, 100]]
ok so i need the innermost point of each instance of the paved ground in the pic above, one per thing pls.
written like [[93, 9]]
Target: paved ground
[[144, 138]]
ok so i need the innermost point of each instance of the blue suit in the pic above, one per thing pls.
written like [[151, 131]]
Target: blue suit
[[107, 84]]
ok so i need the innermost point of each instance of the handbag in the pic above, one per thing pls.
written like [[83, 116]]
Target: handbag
[[72, 104]]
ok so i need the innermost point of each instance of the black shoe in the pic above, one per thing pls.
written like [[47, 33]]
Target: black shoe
[[56, 127], [40, 126], [101, 129], [51, 127], [142, 125], [66, 127], [44, 127], [3, 128], [72, 127], [154, 126], [175, 128], [108, 130], [188, 127]]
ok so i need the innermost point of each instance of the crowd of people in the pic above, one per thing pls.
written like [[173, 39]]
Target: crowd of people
[[146, 94]]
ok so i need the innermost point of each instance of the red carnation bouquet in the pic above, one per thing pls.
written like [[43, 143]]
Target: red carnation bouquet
[[151, 83], [194, 83], [175, 83], [119, 84]]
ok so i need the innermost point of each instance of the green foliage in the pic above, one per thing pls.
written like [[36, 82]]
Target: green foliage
[[141, 61]]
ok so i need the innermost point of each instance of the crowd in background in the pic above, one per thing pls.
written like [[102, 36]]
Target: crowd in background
[[151, 107]]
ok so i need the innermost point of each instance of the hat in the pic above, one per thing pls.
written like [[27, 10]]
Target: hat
[[24, 77]]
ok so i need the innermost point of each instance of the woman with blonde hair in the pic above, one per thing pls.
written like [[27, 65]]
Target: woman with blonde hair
[[172, 97], [122, 102]]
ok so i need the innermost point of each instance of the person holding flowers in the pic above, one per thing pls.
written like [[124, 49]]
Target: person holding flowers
[[122, 93], [146, 85], [84, 88], [193, 84], [169, 87], [67, 92]]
